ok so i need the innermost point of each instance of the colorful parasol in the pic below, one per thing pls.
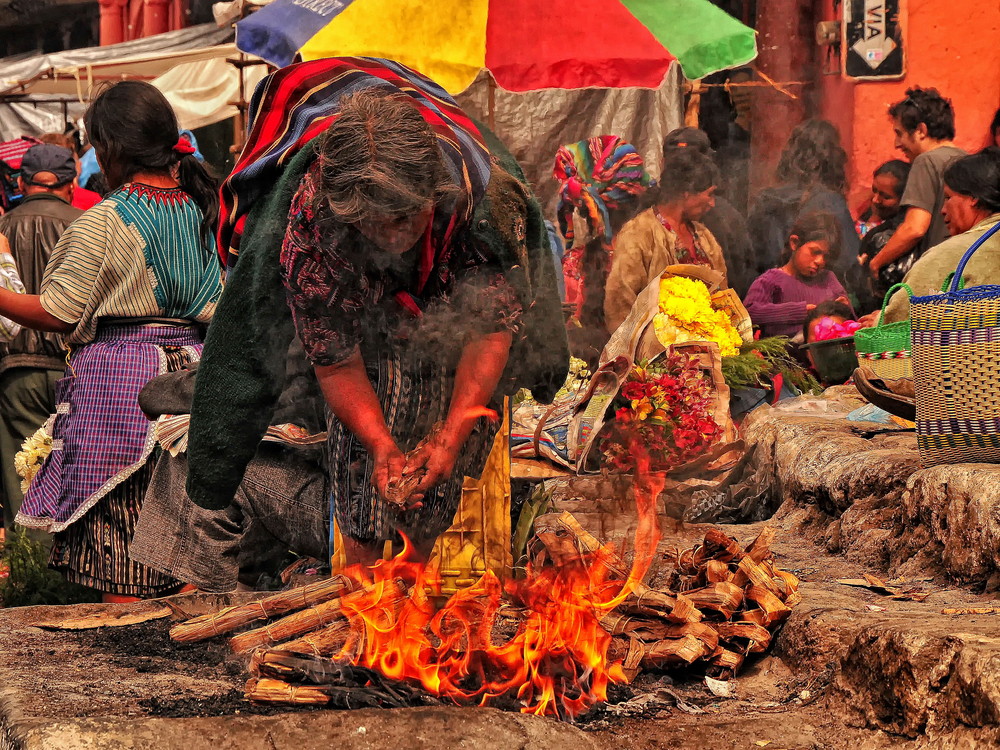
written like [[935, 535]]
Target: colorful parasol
[[525, 44]]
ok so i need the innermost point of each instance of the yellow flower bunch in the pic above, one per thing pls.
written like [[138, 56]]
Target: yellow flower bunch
[[686, 314], [32, 455]]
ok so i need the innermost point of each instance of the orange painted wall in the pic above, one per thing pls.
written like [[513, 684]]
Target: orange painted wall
[[951, 45]]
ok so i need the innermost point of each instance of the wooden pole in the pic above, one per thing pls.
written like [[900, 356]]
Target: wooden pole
[[491, 102], [786, 42]]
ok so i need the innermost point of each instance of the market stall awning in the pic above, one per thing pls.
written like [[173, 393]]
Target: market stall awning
[[24, 74], [39, 93], [525, 44]]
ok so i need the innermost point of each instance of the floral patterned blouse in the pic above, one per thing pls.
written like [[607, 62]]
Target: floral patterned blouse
[[342, 289]]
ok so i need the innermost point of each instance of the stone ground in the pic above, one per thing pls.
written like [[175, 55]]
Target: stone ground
[[852, 668]]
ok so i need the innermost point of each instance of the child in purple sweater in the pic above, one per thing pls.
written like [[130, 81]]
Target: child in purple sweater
[[779, 299]]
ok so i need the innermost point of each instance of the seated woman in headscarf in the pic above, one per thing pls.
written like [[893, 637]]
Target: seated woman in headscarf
[[367, 216], [667, 234], [971, 208], [602, 180]]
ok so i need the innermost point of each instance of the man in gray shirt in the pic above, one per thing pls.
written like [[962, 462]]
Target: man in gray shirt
[[924, 124]]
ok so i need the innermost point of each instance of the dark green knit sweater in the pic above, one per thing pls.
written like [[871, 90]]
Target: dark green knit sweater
[[242, 369]]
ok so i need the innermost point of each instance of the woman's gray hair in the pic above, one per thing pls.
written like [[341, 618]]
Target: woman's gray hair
[[380, 158]]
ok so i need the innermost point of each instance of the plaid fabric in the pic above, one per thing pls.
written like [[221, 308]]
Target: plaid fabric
[[100, 435], [93, 552], [295, 104]]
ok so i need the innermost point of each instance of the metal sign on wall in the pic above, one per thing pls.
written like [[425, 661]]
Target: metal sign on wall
[[873, 40]]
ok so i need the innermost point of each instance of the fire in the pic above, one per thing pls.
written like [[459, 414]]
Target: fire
[[556, 663]]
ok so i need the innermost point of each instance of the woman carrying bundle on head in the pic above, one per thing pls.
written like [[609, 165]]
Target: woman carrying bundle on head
[[130, 286], [602, 180], [780, 299]]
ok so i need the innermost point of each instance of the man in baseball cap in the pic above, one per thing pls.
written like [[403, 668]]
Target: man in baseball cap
[[31, 364], [47, 165]]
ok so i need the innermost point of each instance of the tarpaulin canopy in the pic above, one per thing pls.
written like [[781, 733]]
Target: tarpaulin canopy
[[525, 44], [38, 94], [63, 73]]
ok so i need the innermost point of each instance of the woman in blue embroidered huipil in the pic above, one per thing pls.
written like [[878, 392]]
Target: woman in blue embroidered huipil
[[130, 285]]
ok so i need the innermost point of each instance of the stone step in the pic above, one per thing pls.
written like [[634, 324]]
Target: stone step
[[860, 489]]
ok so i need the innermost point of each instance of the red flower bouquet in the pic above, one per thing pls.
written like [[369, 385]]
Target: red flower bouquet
[[666, 415]]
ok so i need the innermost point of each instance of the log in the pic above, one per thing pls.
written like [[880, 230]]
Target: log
[[566, 540], [269, 690], [717, 571], [727, 660], [775, 610], [335, 638], [758, 636], [231, 618], [308, 619], [723, 597], [760, 548], [750, 572], [686, 650]]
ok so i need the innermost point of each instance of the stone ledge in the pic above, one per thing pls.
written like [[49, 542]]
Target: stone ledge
[[431, 728], [908, 669], [858, 488]]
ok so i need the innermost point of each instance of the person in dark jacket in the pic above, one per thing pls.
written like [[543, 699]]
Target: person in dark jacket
[[31, 364], [724, 220], [811, 178]]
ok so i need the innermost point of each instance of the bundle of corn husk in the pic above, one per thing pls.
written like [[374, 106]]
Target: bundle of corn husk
[[721, 602]]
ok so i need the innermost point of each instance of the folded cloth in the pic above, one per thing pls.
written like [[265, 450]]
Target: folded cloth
[[10, 281], [894, 396]]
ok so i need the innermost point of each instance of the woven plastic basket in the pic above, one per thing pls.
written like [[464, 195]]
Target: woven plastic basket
[[885, 349], [955, 339]]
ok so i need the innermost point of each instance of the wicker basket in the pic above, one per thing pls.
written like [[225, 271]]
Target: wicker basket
[[885, 349], [956, 356]]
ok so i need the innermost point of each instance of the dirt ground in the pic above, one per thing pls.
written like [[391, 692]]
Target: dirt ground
[[777, 702]]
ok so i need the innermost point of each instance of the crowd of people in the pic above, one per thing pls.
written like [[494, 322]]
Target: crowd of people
[[377, 272], [799, 246]]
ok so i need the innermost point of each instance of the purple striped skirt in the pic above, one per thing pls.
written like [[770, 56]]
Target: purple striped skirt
[[100, 435]]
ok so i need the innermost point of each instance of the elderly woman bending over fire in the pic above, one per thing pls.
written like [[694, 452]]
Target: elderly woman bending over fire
[[411, 260]]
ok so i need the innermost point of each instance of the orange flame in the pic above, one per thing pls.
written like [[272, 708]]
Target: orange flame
[[556, 663], [482, 411]]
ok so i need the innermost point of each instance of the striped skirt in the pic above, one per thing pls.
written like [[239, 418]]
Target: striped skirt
[[415, 393]]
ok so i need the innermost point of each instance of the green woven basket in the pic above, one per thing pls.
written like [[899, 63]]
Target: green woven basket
[[885, 349]]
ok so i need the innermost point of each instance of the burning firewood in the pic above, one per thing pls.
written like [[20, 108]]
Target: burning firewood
[[304, 621], [720, 603], [319, 681], [731, 597], [232, 618]]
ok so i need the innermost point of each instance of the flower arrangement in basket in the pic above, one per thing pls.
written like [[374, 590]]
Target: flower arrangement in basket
[[34, 450], [666, 408]]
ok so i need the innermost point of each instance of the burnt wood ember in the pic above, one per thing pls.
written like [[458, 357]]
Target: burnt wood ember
[[332, 682]]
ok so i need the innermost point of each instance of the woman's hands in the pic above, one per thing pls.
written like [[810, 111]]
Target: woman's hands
[[389, 464], [435, 459]]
